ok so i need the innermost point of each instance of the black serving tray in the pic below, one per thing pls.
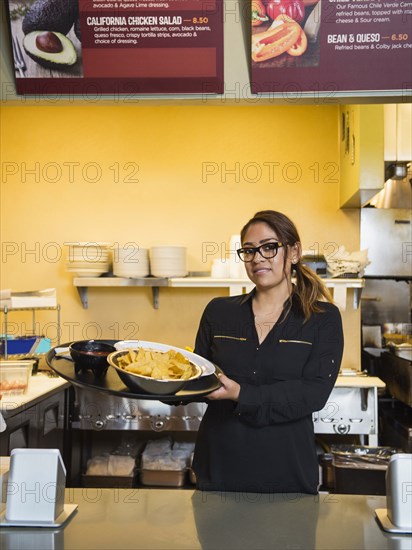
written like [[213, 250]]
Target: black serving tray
[[109, 382]]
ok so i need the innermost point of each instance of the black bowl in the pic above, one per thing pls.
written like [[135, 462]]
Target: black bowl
[[91, 355]]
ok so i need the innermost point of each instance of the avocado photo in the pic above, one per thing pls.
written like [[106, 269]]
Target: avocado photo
[[52, 50], [51, 15]]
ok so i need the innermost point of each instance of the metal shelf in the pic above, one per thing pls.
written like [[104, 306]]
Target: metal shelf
[[235, 286], [33, 309], [83, 284]]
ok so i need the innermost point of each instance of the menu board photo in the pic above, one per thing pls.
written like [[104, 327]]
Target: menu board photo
[[331, 46], [94, 47]]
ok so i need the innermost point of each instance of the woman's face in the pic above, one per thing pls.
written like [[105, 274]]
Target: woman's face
[[266, 272]]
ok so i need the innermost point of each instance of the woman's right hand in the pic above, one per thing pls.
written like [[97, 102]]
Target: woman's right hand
[[229, 389]]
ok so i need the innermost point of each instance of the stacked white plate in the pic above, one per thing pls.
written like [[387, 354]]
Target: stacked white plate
[[88, 259], [168, 261], [131, 261]]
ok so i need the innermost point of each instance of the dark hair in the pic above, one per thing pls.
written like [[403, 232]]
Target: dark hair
[[309, 288]]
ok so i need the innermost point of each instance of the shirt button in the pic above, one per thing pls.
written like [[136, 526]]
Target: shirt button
[[254, 372], [257, 349]]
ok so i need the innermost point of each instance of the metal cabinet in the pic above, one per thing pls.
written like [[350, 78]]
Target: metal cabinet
[[41, 425]]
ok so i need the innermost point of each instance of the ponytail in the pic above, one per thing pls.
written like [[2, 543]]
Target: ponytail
[[309, 289]]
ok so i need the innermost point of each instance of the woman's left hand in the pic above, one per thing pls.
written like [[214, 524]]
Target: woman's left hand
[[229, 390]]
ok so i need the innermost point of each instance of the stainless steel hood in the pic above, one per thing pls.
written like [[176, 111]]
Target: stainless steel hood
[[397, 190], [387, 234]]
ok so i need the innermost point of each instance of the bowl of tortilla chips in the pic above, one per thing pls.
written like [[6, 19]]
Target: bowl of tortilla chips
[[153, 371]]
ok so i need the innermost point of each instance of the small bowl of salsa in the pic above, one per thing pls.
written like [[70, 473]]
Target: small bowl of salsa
[[91, 355]]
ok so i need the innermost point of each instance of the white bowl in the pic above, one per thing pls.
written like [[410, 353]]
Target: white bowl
[[89, 272]]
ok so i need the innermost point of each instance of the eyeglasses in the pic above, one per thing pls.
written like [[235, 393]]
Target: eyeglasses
[[267, 251]]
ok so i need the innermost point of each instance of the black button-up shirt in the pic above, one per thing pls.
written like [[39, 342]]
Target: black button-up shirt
[[265, 441]]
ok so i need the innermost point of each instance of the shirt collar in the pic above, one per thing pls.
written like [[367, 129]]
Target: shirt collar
[[295, 306], [247, 297]]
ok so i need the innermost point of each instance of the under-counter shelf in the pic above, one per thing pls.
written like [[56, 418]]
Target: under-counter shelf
[[235, 286]]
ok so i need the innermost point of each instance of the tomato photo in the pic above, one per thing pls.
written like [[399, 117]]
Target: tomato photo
[[293, 8]]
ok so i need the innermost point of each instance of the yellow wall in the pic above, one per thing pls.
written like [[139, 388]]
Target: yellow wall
[[182, 192], [361, 153]]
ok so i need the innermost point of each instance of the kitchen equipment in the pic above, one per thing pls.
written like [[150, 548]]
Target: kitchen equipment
[[396, 424], [397, 517], [91, 354], [138, 382], [396, 372], [35, 495], [386, 233], [350, 410], [397, 190], [164, 464], [404, 351], [359, 469], [316, 262], [387, 297], [163, 478]]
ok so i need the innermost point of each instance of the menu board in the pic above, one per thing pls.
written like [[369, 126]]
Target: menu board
[[331, 46], [128, 47]]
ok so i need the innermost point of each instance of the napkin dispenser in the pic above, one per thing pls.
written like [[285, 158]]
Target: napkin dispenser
[[35, 491], [397, 517], [316, 262]]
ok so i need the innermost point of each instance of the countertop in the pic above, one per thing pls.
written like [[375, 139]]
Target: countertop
[[40, 385], [351, 381], [172, 519]]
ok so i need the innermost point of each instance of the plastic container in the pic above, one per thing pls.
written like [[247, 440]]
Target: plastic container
[[15, 376], [361, 470], [21, 344]]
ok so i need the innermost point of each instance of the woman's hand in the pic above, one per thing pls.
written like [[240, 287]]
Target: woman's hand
[[229, 390]]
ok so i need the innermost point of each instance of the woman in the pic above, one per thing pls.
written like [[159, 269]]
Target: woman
[[280, 348]]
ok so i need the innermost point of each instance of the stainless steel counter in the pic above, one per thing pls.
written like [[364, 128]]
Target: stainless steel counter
[[179, 519]]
